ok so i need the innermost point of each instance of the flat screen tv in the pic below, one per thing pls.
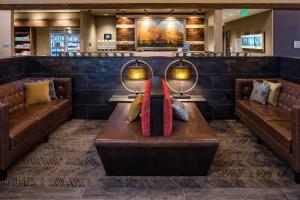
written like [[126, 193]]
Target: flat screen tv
[[253, 41]]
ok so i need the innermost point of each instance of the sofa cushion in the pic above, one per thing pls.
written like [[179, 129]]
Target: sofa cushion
[[135, 108], [168, 112], [37, 92], [260, 92], [179, 110], [281, 132], [52, 92], [21, 126], [145, 110], [273, 93], [264, 112], [49, 119], [28, 120]]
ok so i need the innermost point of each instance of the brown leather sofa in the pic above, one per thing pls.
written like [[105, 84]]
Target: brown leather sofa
[[22, 127], [278, 126]]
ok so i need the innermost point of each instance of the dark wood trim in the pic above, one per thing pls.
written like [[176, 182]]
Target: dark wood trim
[[150, 6]]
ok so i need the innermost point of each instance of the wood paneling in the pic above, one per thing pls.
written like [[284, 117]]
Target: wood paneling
[[194, 20], [125, 34], [47, 22], [194, 34]]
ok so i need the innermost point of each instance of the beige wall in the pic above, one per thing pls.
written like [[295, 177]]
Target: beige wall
[[6, 34], [42, 41], [105, 25], [47, 15], [253, 24], [88, 38]]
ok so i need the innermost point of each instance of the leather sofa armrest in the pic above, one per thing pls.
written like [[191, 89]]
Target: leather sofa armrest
[[63, 88], [243, 88], [4, 134], [296, 134]]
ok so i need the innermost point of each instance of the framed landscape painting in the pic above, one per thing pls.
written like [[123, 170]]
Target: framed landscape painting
[[157, 33]]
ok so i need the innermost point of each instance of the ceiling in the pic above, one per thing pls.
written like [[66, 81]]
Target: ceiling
[[228, 14], [234, 14], [101, 12]]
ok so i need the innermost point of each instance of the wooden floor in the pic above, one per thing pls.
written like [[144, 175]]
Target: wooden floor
[[153, 194]]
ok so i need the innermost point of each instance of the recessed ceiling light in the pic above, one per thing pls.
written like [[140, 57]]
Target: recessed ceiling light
[[105, 14]]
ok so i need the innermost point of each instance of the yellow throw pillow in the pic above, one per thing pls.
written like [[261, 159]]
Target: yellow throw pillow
[[273, 92], [37, 92], [135, 108]]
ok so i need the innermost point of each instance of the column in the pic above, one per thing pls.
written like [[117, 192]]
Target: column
[[218, 30], [7, 33]]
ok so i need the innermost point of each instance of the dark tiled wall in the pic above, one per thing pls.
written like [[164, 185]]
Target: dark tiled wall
[[11, 69], [290, 69], [96, 79]]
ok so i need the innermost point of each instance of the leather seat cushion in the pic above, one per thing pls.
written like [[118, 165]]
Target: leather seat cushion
[[281, 131], [21, 126], [264, 112], [119, 133], [51, 118], [28, 120]]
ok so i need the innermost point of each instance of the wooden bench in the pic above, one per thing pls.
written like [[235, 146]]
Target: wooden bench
[[124, 151]]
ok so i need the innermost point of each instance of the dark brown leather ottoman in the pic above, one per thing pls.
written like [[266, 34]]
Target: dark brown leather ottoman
[[189, 151]]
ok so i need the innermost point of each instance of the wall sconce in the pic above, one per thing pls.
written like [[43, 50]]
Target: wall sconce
[[181, 77], [134, 75]]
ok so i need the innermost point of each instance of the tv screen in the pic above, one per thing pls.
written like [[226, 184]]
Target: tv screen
[[253, 41]]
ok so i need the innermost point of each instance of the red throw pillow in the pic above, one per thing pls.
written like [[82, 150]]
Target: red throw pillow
[[145, 110], [168, 112]]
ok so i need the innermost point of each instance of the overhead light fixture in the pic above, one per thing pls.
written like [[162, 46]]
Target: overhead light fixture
[[171, 12], [105, 14], [146, 12]]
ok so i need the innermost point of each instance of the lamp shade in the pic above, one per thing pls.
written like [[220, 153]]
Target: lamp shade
[[181, 73], [136, 73]]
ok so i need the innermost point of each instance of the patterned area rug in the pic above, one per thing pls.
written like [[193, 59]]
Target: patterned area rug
[[70, 159]]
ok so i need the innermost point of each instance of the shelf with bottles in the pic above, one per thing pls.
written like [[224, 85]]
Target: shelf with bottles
[[24, 41], [25, 38]]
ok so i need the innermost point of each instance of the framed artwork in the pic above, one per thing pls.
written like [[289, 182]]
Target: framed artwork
[[194, 34], [159, 33], [125, 21], [253, 41], [194, 20], [125, 34]]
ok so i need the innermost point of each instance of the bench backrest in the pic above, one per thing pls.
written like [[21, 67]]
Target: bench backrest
[[289, 95], [13, 94], [156, 111]]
